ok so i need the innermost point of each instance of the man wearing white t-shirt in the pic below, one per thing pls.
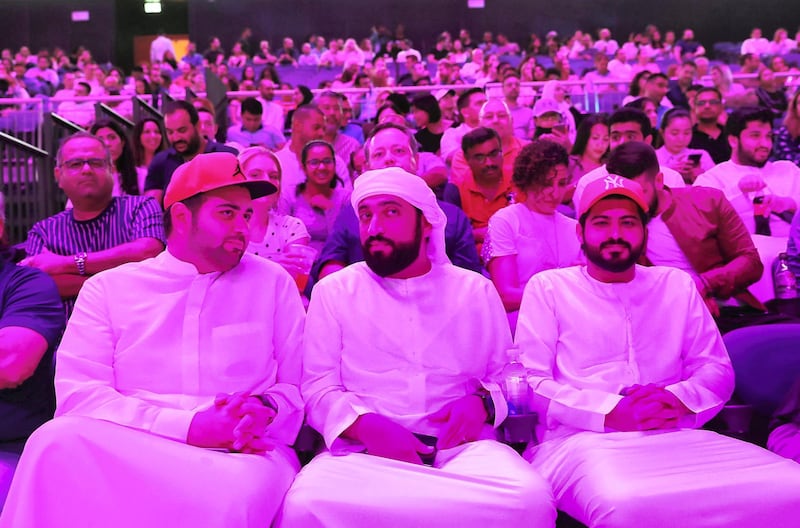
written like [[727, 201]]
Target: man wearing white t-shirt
[[748, 176], [469, 106]]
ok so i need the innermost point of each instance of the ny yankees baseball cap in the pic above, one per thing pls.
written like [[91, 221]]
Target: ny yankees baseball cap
[[611, 185]]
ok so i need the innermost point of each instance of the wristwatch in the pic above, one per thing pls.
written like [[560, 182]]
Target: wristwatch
[[488, 405], [80, 262], [266, 400]]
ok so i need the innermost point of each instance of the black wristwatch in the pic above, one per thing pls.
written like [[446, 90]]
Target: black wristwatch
[[266, 400], [488, 405]]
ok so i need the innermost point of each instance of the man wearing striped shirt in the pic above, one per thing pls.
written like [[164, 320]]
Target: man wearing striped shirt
[[100, 231]]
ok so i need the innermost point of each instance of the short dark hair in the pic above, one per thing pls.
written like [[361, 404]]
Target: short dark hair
[[476, 137], [399, 101], [706, 89], [174, 106], [303, 111], [632, 159], [428, 104], [658, 75], [253, 106], [193, 203], [631, 115], [741, 117], [535, 161], [463, 99]]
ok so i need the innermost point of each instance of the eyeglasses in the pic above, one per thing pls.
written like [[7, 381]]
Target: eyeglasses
[[708, 102], [480, 158], [78, 163], [317, 162]]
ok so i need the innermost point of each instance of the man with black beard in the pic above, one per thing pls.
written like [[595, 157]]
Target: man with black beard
[[751, 182], [626, 364], [407, 375], [183, 131]]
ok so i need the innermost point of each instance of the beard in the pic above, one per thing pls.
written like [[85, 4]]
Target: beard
[[747, 158], [192, 146], [618, 262], [401, 255]]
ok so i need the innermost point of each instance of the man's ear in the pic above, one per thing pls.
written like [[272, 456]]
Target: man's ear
[[181, 217]]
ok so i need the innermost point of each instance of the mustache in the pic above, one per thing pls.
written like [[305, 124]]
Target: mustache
[[615, 242], [378, 238]]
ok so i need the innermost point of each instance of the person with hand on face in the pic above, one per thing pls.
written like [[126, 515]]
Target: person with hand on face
[[168, 373], [389, 397], [626, 364], [676, 129], [749, 174]]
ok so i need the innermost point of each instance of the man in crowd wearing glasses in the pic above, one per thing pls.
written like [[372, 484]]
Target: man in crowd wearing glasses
[[100, 231]]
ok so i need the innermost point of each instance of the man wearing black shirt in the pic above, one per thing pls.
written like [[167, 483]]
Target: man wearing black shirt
[[707, 134]]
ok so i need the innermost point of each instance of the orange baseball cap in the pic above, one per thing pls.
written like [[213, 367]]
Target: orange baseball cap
[[611, 185], [206, 172]]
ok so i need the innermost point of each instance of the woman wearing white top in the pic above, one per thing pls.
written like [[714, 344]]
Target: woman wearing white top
[[676, 132], [271, 232], [531, 236], [147, 139]]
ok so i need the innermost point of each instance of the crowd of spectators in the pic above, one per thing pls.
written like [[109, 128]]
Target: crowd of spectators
[[502, 139]]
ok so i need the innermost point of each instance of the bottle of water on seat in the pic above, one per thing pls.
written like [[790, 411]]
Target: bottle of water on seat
[[784, 280], [515, 384]]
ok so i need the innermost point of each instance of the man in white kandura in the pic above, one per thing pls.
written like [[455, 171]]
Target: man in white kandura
[[177, 379], [406, 374], [625, 363]]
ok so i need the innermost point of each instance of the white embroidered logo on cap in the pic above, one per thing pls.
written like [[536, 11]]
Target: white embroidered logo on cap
[[613, 181]]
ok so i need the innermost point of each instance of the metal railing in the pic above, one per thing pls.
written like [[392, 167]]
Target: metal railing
[[29, 186]]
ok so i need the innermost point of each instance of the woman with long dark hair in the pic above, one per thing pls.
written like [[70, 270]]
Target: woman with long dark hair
[[147, 139], [124, 167]]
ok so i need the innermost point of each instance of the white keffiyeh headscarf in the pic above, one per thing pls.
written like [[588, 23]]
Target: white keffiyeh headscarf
[[395, 181]]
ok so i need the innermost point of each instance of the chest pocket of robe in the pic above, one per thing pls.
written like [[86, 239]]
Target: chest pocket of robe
[[240, 351]]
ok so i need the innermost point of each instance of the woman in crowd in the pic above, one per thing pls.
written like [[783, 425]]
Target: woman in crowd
[[271, 232], [590, 147], [676, 132], [771, 94], [722, 78], [320, 198], [555, 90], [147, 139], [636, 86], [647, 106], [248, 78], [459, 55], [428, 118], [302, 96], [124, 168], [238, 58], [787, 137], [531, 236]]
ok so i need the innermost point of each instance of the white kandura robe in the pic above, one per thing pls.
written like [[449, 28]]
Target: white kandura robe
[[404, 349], [584, 341], [148, 345]]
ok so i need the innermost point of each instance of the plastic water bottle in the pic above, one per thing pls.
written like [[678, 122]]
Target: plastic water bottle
[[784, 279], [515, 384], [760, 215]]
